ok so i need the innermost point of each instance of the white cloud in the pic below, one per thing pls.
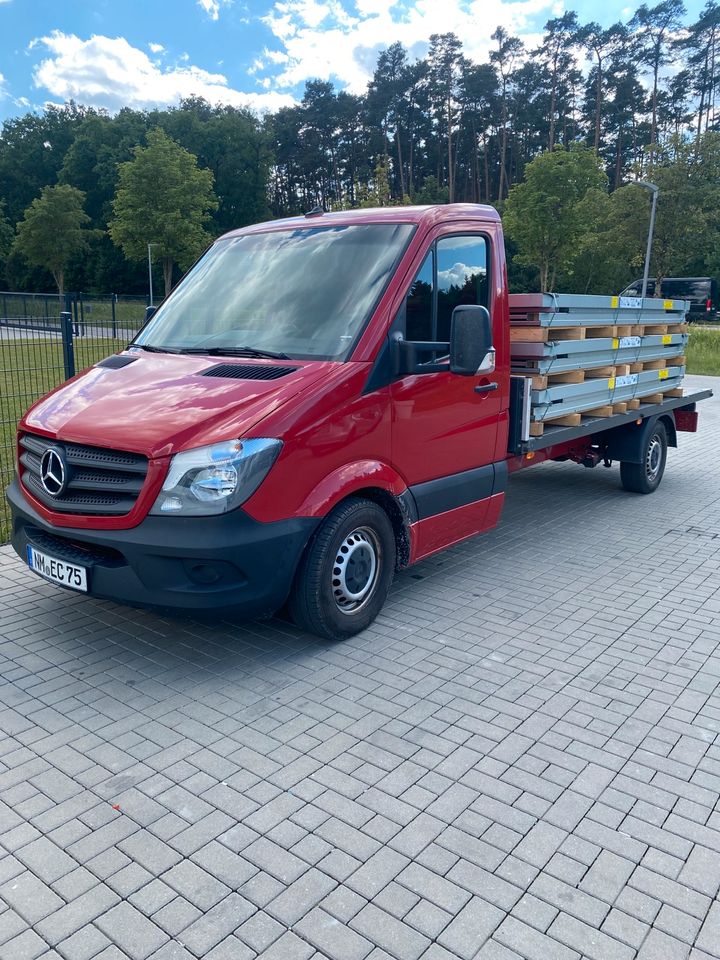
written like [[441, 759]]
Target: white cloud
[[459, 274], [275, 56], [212, 7], [109, 72], [325, 40], [156, 47]]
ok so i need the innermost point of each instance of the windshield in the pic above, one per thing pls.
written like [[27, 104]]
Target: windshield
[[304, 293]]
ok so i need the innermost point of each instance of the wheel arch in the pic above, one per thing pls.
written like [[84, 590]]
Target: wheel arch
[[399, 510], [626, 443], [375, 481], [669, 420]]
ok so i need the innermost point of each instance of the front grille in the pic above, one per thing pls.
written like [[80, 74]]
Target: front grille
[[99, 482], [247, 371]]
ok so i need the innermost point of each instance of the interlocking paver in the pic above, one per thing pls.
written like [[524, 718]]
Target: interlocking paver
[[260, 931], [530, 943], [428, 919], [300, 897], [216, 923], [518, 760], [84, 945], [472, 926], [334, 939], [288, 947], [137, 936], [177, 916], [230, 949], [588, 940], [440, 891], [149, 852], [701, 871], [27, 946], [46, 860], [660, 946], [279, 863], [195, 884], [376, 873], [709, 936], [396, 938], [30, 897]]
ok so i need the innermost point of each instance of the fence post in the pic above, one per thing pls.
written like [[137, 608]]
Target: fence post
[[75, 313], [67, 343], [113, 301]]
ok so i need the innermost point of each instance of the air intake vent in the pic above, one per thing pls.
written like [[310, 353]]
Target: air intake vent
[[248, 371], [115, 362]]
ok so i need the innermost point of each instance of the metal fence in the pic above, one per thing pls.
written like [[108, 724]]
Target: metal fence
[[44, 340]]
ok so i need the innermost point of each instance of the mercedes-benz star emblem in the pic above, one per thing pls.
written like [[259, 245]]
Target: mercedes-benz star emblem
[[53, 475]]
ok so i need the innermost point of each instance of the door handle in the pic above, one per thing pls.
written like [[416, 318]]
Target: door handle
[[486, 388]]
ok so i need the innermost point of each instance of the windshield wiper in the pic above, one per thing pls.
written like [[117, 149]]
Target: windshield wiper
[[146, 346], [236, 352]]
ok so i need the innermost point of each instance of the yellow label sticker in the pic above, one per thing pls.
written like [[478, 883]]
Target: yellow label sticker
[[615, 302], [667, 304], [611, 383], [663, 374], [616, 343], [667, 338]]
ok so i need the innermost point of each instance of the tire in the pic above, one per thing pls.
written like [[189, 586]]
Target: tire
[[645, 477], [346, 571]]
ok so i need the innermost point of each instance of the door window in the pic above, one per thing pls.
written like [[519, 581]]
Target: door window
[[461, 277], [419, 304], [454, 272]]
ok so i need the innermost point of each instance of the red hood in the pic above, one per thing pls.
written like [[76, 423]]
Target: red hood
[[158, 404]]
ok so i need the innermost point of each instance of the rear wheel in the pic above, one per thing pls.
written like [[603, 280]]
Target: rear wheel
[[645, 477], [345, 574]]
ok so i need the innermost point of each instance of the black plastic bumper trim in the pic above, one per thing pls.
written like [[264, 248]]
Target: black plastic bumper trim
[[228, 564]]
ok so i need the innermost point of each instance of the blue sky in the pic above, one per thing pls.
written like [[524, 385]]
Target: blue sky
[[259, 53]]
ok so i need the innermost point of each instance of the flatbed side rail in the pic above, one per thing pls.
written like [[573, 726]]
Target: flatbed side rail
[[593, 425]]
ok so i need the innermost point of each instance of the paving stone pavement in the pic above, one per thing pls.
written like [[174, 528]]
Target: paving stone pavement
[[520, 759]]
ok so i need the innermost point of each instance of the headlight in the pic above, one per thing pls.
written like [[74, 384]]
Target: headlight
[[215, 479]]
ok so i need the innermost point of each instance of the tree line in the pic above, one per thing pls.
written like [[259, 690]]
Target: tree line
[[550, 135]]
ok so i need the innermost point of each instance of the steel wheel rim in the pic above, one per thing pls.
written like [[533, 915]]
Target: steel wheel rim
[[653, 460], [355, 570]]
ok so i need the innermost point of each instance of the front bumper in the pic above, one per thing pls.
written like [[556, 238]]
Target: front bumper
[[228, 564]]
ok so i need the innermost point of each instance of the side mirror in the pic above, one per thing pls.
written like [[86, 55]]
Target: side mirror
[[149, 313], [471, 349]]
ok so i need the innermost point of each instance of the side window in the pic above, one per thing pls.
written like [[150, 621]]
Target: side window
[[461, 277], [419, 304]]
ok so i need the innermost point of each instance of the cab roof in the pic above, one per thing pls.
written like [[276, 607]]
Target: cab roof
[[426, 215]]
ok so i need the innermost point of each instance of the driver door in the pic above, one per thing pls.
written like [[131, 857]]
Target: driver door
[[445, 429]]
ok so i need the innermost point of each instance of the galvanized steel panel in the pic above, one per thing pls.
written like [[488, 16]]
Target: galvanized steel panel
[[556, 401], [572, 310], [559, 356]]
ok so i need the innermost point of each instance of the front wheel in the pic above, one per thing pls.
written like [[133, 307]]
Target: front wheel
[[645, 477], [345, 574]]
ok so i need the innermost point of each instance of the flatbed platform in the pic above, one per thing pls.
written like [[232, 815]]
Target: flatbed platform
[[595, 425]]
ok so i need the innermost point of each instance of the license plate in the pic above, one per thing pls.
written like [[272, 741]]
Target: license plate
[[59, 571]]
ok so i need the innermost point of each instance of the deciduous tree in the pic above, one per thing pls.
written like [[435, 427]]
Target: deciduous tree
[[550, 212], [53, 231], [162, 198]]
